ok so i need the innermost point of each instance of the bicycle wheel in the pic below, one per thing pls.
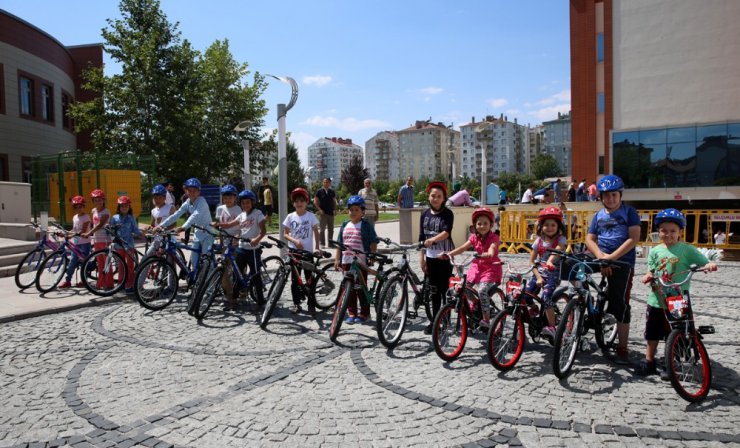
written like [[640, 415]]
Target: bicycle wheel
[[324, 288], [426, 298], [156, 283], [606, 329], [392, 310], [276, 290], [505, 340], [109, 274], [51, 271], [567, 338], [25, 272], [204, 267], [688, 365], [345, 290], [497, 300], [269, 269], [211, 289], [449, 332]]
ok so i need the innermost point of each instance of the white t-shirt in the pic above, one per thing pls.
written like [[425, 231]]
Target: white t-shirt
[[719, 238], [78, 224], [352, 238], [226, 214], [160, 213], [169, 198], [301, 228], [249, 227], [527, 197]]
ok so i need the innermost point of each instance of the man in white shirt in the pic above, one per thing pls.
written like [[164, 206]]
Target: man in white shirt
[[170, 197], [527, 196]]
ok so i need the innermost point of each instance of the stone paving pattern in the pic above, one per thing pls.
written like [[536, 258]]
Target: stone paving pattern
[[118, 375]]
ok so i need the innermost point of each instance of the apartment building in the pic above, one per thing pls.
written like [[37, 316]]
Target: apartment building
[[428, 149], [505, 144], [382, 156], [557, 139], [328, 156]]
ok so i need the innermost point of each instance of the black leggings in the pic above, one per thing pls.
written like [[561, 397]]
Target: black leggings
[[296, 290], [439, 272], [253, 259]]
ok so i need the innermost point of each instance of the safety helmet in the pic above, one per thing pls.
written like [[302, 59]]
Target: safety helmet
[[298, 192], [437, 184], [610, 183], [483, 211], [228, 189], [78, 200], [670, 215], [124, 200], [97, 193], [192, 183], [550, 213], [356, 200], [159, 190], [247, 194]]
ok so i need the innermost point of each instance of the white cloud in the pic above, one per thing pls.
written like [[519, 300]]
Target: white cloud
[[317, 80], [497, 102], [302, 141], [550, 112], [345, 124], [548, 108], [431, 90]]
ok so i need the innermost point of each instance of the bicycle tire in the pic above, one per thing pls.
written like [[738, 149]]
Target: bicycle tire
[[210, 291], [427, 299], [505, 343], [51, 271], [392, 311], [113, 266], [25, 272], [204, 268], [270, 267], [155, 283], [448, 323], [324, 287], [498, 300], [683, 354], [605, 331], [276, 290], [341, 308], [567, 338]]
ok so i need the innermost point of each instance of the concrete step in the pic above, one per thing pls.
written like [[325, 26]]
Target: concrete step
[[12, 247]]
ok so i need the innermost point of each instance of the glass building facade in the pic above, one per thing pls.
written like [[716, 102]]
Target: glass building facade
[[688, 156]]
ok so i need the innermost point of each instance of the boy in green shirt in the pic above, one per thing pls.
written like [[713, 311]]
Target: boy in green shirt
[[671, 257]]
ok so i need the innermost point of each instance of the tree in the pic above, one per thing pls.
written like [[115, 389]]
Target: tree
[[354, 175], [296, 174], [511, 182], [545, 165]]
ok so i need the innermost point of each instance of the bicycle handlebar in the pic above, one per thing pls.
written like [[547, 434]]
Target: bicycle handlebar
[[282, 244], [380, 258], [693, 269], [592, 261]]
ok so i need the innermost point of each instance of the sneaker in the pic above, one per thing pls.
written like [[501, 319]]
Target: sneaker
[[623, 356], [65, 285], [646, 368], [664, 375], [428, 329], [548, 332], [350, 320], [360, 319], [295, 309], [311, 310]]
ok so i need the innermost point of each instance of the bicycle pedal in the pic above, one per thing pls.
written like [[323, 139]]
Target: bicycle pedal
[[706, 329], [412, 314]]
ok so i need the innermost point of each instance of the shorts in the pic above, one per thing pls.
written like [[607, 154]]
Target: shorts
[[620, 287], [656, 325], [267, 210]]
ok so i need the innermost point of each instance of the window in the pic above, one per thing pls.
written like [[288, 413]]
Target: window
[[47, 105], [26, 100], [600, 47], [600, 105]]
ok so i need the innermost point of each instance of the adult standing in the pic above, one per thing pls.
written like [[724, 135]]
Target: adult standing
[[571, 193], [556, 190], [169, 197], [592, 192], [264, 198], [372, 209], [406, 194], [325, 201], [581, 194]]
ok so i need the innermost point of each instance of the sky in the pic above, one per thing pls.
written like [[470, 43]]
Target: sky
[[367, 66]]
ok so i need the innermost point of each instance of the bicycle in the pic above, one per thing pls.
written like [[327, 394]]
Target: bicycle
[[461, 313], [109, 264], [25, 272], [52, 269], [505, 343], [353, 281], [393, 306], [585, 310], [687, 360], [317, 288], [212, 286]]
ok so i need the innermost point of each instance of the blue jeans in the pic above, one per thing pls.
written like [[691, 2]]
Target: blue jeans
[[75, 261]]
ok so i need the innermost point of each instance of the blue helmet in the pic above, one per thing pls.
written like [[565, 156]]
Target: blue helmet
[[610, 183], [192, 183], [356, 200], [247, 194], [228, 189], [159, 190], [670, 215]]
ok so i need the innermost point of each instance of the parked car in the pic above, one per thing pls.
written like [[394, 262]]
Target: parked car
[[475, 201], [387, 205]]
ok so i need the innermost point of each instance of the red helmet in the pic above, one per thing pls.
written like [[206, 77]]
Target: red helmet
[[298, 192], [78, 200], [483, 211], [550, 213], [124, 200], [97, 193], [437, 184]]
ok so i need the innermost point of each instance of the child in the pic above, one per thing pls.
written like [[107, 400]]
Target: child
[[671, 257], [484, 271], [80, 225], [550, 235], [612, 235], [252, 229], [162, 209], [226, 212], [297, 229], [356, 233], [100, 238], [125, 218], [435, 230]]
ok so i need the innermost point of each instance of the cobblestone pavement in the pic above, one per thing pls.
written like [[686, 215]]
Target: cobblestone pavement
[[119, 375]]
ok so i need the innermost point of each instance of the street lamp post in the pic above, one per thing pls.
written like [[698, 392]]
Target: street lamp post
[[243, 127]]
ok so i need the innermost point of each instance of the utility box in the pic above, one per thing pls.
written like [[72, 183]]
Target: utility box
[[15, 202]]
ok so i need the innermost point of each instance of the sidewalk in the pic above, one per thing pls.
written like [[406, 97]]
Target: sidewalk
[[16, 305]]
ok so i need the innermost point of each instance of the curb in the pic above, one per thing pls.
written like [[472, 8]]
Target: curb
[[61, 309]]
